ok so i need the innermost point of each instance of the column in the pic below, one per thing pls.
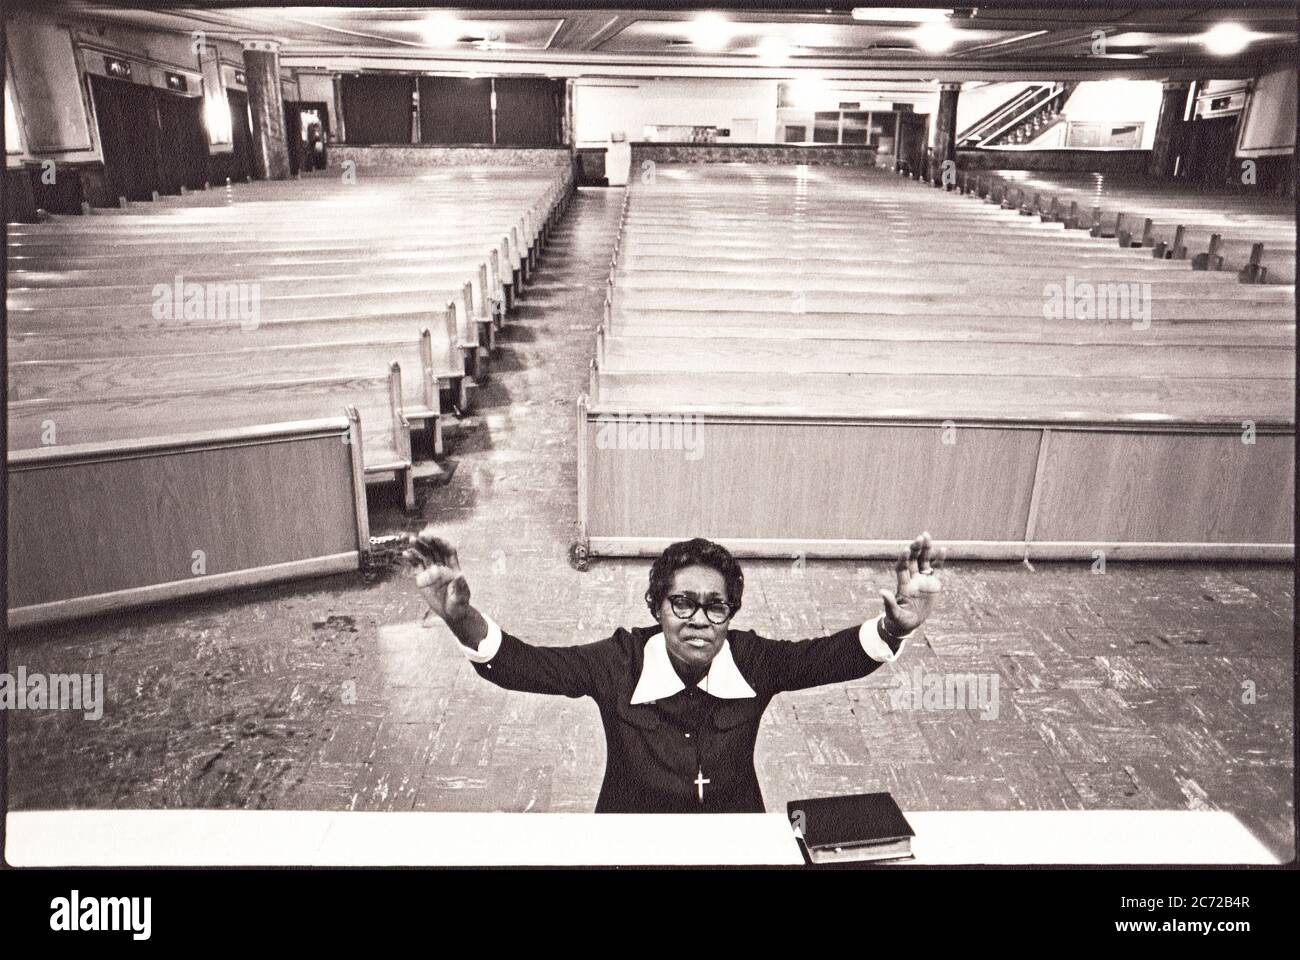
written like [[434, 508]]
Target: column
[[945, 126], [338, 129], [266, 104], [1173, 104]]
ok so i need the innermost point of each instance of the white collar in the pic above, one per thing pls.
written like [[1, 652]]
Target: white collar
[[659, 680]]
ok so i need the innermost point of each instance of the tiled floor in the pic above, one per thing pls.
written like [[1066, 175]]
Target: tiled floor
[[1131, 689]]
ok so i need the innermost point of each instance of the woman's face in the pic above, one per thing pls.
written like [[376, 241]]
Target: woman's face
[[696, 641]]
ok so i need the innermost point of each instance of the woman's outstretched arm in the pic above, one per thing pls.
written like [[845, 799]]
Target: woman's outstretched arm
[[507, 661]]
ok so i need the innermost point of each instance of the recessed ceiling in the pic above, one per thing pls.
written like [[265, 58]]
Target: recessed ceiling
[[1009, 39], [748, 37]]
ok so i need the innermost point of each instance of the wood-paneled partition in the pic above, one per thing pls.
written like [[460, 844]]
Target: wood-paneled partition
[[836, 487], [101, 527]]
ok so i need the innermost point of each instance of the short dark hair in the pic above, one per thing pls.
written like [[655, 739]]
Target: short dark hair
[[692, 553]]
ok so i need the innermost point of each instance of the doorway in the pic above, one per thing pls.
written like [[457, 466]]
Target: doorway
[[306, 129], [235, 164]]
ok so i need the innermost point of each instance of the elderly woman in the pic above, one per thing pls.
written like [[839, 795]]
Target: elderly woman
[[681, 702]]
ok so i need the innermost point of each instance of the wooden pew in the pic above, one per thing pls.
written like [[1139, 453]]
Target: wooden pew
[[95, 381], [462, 350], [1034, 466], [1176, 229], [443, 361], [128, 271], [1139, 358], [886, 305], [377, 399], [937, 396], [1067, 434], [91, 379], [933, 278], [73, 244], [216, 262], [973, 264], [780, 325], [1252, 262]]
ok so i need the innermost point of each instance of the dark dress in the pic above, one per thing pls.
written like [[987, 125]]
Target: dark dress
[[657, 751]]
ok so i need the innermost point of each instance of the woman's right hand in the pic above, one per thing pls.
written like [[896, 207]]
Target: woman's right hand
[[440, 581]]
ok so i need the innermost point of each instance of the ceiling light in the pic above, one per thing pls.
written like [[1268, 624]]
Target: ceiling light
[[774, 51], [900, 14], [807, 93], [711, 32], [441, 30], [1225, 39], [934, 37]]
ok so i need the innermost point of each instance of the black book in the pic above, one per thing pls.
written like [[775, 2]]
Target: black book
[[861, 826]]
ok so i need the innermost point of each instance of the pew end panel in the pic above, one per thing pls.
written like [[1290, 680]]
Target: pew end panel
[[507, 270], [453, 389], [181, 516], [401, 427], [498, 292], [486, 307], [466, 338], [479, 325], [580, 550]]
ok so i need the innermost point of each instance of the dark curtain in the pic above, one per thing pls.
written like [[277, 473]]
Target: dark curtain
[[241, 129], [128, 133], [1208, 147], [454, 111], [64, 194], [910, 149], [183, 158], [293, 135], [377, 109], [19, 188], [529, 112]]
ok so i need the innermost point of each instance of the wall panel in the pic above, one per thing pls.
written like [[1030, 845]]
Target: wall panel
[[812, 480], [1184, 487]]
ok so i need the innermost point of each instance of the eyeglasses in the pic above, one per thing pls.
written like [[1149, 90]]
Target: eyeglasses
[[715, 611]]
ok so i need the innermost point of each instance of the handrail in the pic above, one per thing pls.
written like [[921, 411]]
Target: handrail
[[995, 115], [1026, 115]]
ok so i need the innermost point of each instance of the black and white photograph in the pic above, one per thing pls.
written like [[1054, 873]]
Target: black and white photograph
[[486, 435]]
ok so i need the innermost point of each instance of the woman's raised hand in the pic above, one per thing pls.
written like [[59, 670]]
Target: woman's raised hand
[[440, 581]]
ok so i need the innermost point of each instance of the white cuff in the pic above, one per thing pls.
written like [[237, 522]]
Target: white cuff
[[874, 646], [487, 647]]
